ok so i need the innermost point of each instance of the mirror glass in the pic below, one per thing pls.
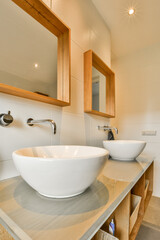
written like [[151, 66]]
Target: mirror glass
[[98, 91], [28, 52]]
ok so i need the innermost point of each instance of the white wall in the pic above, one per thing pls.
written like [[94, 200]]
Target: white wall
[[138, 100], [88, 31]]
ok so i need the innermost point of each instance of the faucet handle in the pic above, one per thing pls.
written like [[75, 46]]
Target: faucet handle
[[29, 120], [6, 119], [105, 128]]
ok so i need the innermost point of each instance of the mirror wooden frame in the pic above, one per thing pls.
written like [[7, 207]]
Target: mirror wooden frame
[[39, 11], [91, 59]]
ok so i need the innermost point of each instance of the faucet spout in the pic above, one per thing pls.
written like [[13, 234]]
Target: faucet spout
[[53, 125], [31, 122]]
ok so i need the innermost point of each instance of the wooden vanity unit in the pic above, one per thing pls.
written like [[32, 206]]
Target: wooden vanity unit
[[128, 217], [122, 192]]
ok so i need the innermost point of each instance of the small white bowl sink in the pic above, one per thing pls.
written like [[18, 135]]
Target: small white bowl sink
[[60, 171], [124, 150]]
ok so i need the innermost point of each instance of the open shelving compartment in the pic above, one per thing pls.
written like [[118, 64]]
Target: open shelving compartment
[[129, 214], [143, 188], [121, 218]]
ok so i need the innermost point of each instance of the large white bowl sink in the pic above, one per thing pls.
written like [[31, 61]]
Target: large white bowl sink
[[124, 150], [60, 171]]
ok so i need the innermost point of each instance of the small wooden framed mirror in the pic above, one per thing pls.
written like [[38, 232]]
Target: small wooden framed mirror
[[99, 86], [35, 52]]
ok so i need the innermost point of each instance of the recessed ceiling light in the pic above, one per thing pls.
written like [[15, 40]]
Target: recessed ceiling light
[[131, 11], [36, 65]]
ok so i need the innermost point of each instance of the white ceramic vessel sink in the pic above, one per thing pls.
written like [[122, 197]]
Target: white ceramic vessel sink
[[124, 150], [60, 171]]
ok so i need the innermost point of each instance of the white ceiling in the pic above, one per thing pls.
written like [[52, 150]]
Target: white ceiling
[[130, 33]]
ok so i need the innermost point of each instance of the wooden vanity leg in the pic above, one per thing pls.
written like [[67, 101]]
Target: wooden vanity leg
[[149, 176]]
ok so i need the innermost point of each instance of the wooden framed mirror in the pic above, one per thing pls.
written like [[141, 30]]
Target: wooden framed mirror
[[35, 52], [99, 86]]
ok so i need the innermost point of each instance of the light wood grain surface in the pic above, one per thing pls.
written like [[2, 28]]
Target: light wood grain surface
[[74, 218]]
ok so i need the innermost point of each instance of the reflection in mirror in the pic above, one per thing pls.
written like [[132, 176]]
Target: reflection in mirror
[[98, 91], [28, 52]]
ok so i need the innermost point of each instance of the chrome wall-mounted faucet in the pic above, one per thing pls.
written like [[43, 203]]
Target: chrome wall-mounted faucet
[[5, 119], [31, 122], [105, 128]]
